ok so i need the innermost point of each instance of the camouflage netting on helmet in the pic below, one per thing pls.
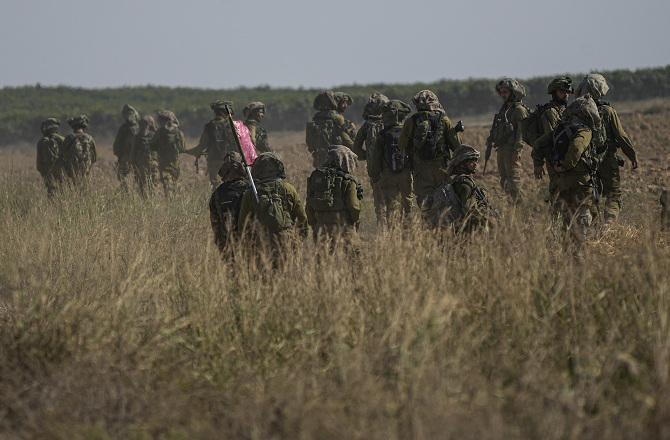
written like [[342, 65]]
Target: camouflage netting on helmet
[[268, 166], [585, 110], [325, 101], [167, 118], [129, 114], [342, 158], [462, 154], [517, 89], [375, 105], [49, 125], [395, 112], [426, 100], [343, 98], [563, 83], [220, 105], [147, 125], [77, 122], [232, 167], [252, 107], [593, 84]]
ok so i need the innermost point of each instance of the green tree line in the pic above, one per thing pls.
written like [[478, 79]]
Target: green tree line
[[23, 108]]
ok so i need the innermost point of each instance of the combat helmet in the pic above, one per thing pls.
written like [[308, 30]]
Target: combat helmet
[[49, 126], [232, 167], [517, 90], [78, 122], [563, 83], [268, 166], [395, 112], [252, 107], [585, 110], [593, 84], [463, 153]]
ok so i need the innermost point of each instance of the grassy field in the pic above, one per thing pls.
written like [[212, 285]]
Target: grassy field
[[118, 319]]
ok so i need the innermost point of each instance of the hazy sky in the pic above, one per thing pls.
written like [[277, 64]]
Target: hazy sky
[[223, 43]]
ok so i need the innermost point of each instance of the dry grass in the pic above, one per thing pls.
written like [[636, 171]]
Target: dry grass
[[119, 320]]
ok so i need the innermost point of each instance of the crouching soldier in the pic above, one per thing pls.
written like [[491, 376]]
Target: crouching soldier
[[48, 161], [334, 196], [460, 203], [224, 205], [279, 212]]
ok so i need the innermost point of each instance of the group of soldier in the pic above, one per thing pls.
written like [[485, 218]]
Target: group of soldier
[[411, 155]]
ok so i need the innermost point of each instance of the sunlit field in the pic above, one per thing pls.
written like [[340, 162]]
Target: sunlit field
[[119, 319]]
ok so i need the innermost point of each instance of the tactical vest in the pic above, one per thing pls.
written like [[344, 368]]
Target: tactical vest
[[563, 135], [429, 142], [227, 201], [323, 131], [78, 149], [142, 154], [220, 136], [325, 188], [502, 130], [394, 158]]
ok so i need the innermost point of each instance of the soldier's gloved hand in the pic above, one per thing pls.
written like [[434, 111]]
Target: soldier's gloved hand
[[559, 168], [538, 171], [633, 164]]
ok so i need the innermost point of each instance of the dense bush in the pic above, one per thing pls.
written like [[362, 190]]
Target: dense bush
[[22, 108]]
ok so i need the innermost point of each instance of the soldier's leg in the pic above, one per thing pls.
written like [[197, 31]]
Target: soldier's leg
[[123, 172], [611, 181], [513, 166], [579, 211], [502, 168], [378, 199], [406, 193]]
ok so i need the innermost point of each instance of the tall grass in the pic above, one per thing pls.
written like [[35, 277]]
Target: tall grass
[[118, 319]]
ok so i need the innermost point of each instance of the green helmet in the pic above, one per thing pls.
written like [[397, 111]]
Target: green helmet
[[219, 106], [252, 107], [517, 89], [325, 101], [268, 166], [49, 126], [563, 83], [395, 112], [462, 154], [375, 105], [426, 100], [130, 114], [232, 167], [593, 84], [78, 122]]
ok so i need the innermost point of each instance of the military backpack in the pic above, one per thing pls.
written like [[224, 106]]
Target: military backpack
[[394, 158], [532, 125], [321, 133], [79, 148], [444, 208], [324, 189], [429, 135], [271, 211], [563, 135]]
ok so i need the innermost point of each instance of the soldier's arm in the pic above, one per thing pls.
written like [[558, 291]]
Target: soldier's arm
[[214, 218], [351, 202], [117, 146], [516, 117], [576, 149], [40, 161], [549, 120], [539, 152], [246, 211], [452, 137], [94, 151], [263, 144], [405, 142], [621, 138], [359, 142], [298, 213], [181, 142], [201, 148]]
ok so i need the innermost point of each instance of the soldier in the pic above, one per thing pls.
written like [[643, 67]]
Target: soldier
[[254, 113], [608, 171], [507, 136], [388, 165], [428, 138], [215, 141], [144, 160], [326, 128], [279, 211], [550, 115], [79, 152], [123, 143], [571, 153], [168, 143], [49, 162], [365, 140], [344, 101], [334, 195], [460, 203], [224, 205]]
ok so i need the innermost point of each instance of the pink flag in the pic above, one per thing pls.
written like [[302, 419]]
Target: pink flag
[[247, 144]]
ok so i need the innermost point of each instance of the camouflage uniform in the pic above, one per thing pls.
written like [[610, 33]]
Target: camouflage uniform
[[224, 205], [459, 203], [143, 159], [48, 159], [254, 112], [269, 176], [616, 137], [217, 139], [326, 116], [365, 140], [168, 143], [334, 196], [79, 152], [389, 166], [344, 101], [123, 144], [549, 119], [429, 122], [570, 150], [507, 137]]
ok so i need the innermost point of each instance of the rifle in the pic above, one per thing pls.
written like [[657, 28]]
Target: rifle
[[487, 155], [246, 166]]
